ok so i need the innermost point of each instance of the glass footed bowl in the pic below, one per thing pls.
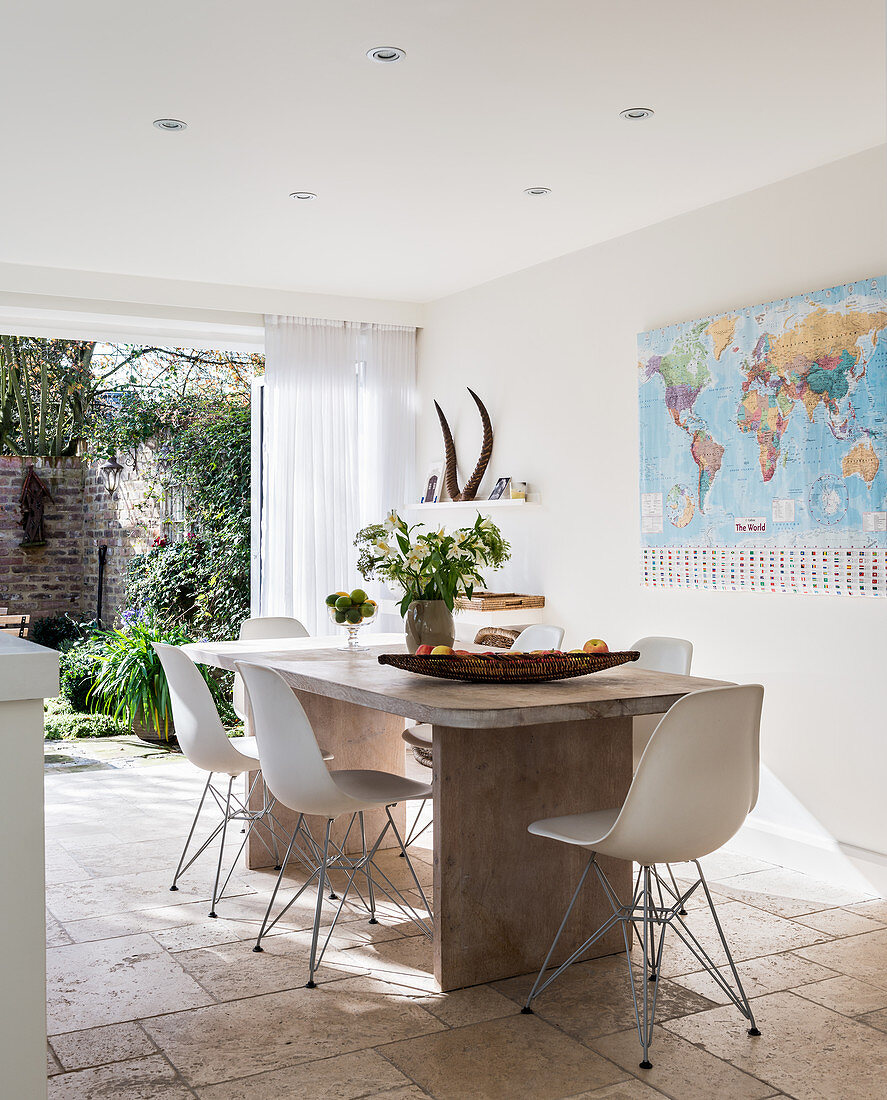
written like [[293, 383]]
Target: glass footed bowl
[[353, 629]]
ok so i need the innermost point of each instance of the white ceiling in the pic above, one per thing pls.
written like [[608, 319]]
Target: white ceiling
[[419, 166]]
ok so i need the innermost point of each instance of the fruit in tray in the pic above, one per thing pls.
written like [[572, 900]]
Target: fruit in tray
[[351, 608], [511, 654]]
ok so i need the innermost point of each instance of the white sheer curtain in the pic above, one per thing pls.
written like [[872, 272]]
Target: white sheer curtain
[[339, 431]]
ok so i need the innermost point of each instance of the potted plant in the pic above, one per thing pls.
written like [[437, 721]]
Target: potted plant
[[129, 679], [432, 568]]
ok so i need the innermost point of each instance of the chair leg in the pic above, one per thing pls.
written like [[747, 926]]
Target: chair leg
[[682, 912], [526, 1010], [366, 867], [222, 847], [175, 877], [753, 1030], [311, 984], [403, 851]]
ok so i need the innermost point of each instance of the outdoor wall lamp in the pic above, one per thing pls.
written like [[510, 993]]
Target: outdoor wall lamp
[[112, 473]]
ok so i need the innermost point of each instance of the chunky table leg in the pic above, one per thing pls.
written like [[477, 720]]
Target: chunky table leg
[[358, 738], [499, 892]]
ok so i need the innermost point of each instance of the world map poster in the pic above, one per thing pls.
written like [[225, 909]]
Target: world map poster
[[763, 446]]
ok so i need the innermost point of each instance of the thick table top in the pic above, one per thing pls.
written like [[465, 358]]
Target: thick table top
[[321, 666]]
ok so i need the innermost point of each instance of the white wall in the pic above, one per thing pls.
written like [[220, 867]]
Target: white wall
[[552, 352]]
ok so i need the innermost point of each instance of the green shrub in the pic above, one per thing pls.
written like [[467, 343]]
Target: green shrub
[[77, 671], [56, 632], [130, 684], [69, 727]]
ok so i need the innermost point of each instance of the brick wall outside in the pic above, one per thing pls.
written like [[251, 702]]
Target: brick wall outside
[[44, 580], [127, 524], [61, 577]]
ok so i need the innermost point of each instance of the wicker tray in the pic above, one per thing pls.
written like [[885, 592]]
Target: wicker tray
[[482, 600], [504, 669]]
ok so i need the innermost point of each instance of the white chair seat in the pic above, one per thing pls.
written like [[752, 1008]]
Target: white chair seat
[[247, 746], [420, 736], [586, 830], [379, 787]]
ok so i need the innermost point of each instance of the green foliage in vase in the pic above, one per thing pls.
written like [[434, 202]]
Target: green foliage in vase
[[430, 564]]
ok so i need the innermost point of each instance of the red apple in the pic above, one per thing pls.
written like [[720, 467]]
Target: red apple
[[423, 650], [596, 645]]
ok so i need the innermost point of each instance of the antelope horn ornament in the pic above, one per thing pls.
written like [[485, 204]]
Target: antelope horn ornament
[[451, 477]]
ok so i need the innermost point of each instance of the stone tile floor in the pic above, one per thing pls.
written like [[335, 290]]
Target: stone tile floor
[[151, 1000]]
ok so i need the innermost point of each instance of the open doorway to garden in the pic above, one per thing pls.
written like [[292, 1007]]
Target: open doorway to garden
[[125, 497]]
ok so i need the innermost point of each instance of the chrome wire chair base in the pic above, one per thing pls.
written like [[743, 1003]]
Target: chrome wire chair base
[[232, 809], [655, 905], [414, 832], [332, 857]]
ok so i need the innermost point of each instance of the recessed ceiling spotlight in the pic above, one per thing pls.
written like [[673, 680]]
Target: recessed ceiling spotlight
[[385, 55], [171, 125], [537, 190], [304, 196], [634, 114]]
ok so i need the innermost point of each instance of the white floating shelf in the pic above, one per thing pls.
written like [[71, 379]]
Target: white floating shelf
[[478, 505]]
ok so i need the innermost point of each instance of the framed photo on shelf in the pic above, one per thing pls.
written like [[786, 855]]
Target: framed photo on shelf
[[431, 492], [499, 488]]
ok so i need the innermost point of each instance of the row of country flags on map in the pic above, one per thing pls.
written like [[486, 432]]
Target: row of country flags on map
[[819, 572]]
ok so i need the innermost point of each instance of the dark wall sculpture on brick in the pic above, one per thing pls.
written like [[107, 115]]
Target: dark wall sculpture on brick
[[61, 576]]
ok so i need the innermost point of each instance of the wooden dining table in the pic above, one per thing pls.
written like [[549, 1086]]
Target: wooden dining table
[[503, 756]]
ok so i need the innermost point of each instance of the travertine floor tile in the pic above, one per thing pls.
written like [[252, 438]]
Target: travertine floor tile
[[723, 864], [345, 1077], [458, 1008], [103, 860], [768, 974], [55, 933], [863, 957], [632, 1089], [233, 970], [501, 1059], [876, 1019], [98, 1045], [874, 910], [109, 981], [61, 866], [52, 1063], [141, 1079], [680, 1070], [805, 1050], [839, 922], [594, 998], [785, 893], [99, 897], [846, 995], [227, 1041], [750, 933]]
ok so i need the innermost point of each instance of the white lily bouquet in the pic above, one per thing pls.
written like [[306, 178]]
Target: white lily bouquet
[[430, 564]]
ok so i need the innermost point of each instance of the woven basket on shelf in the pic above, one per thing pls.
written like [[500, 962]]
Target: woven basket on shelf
[[504, 669], [499, 636]]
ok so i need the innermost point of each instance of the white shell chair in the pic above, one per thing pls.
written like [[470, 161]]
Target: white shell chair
[[537, 636], [203, 740], [257, 629], [298, 778], [673, 655], [694, 787]]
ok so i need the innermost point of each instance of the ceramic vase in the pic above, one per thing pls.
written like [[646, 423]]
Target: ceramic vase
[[428, 622]]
